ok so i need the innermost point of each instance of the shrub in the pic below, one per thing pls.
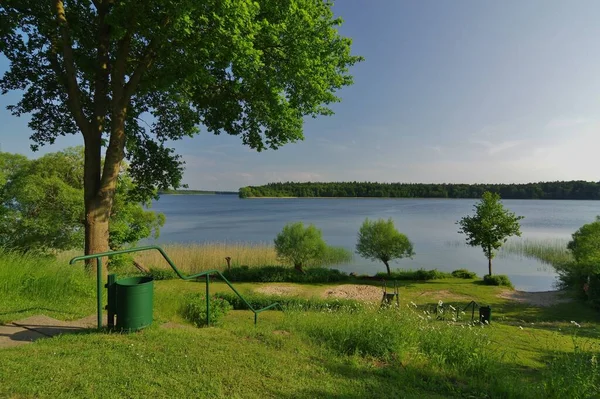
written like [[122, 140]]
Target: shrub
[[464, 273], [414, 275], [299, 245], [280, 274], [161, 274], [289, 303], [194, 309], [497, 279]]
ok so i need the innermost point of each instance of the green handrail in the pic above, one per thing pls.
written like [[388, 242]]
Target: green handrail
[[207, 274]]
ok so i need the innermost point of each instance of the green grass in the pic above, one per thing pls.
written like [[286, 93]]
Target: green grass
[[526, 352]]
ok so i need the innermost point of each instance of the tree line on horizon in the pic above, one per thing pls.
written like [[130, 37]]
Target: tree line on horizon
[[563, 190]]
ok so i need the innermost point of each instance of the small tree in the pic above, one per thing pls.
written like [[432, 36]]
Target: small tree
[[379, 240], [491, 225], [299, 245]]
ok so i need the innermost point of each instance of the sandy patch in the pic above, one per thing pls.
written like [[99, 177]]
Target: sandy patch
[[354, 291], [545, 298], [277, 290]]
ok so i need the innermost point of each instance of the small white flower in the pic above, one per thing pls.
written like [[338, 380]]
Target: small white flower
[[452, 307], [487, 322], [440, 303], [520, 327]]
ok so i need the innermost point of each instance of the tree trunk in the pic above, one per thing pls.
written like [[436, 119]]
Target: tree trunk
[[387, 265], [490, 260], [298, 267], [99, 189]]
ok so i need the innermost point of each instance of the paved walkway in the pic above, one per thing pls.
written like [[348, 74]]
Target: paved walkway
[[32, 328]]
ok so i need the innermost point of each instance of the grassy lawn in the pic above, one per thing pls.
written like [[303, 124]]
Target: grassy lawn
[[526, 351]]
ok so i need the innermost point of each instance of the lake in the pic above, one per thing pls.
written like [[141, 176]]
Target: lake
[[429, 224]]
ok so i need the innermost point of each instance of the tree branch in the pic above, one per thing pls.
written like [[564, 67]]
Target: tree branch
[[74, 94], [142, 67]]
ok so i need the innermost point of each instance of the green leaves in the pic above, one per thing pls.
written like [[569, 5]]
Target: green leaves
[[491, 225], [585, 246], [249, 68], [298, 245], [379, 240], [42, 209]]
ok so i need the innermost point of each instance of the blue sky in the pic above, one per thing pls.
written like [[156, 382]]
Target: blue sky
[[455, 91]]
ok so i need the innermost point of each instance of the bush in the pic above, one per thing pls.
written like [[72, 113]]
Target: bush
[[464, 273], [289, 303], [161, 274], [497, 279], [299, 245], [194, 309], [414, 275], [280, 274]]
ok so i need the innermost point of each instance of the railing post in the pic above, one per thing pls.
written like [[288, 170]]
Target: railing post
[[207, 300], [99, 290]]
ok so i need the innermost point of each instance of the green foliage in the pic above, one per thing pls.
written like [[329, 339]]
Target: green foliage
[[333, 256], [497, 279], [299, 245], [491, 225], [194, 309], [42, 209], [415, 275], [379, 240], [280, 274], [291, 302], [464, 273], [576, 189], [582, 275], [585, 246], [162, 274], [252, 69]]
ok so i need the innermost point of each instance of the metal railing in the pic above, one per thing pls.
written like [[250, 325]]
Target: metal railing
[[205, 274]]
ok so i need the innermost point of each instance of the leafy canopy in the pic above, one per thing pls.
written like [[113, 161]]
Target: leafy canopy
[[242, 67], [41, 205], [379, 240], [491, 225], [298, 245], [585, 246]]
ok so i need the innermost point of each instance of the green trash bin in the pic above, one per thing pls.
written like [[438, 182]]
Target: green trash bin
[[134, 297], [485, 314]]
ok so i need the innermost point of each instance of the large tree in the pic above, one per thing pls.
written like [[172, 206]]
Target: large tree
[[100, 67], [490, 227]]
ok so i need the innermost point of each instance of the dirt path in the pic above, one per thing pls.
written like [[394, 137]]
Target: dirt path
[[545, 298]]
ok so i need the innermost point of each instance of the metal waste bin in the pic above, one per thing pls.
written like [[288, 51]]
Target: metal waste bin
[[485, 314], [133, 302]]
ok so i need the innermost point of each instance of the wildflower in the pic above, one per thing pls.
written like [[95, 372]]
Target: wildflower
[[452, 307], [462, 312], [486, 322], [454, 319], [520, 327], [575, 323], [414, 304], [440, 303]]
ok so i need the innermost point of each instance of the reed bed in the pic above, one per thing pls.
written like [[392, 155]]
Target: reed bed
[[553, 252], [194, 258]]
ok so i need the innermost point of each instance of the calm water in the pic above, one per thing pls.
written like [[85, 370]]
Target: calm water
[[429, 223]]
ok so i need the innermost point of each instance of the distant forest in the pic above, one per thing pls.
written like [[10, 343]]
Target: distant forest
[[564, 190], [196, 192]]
